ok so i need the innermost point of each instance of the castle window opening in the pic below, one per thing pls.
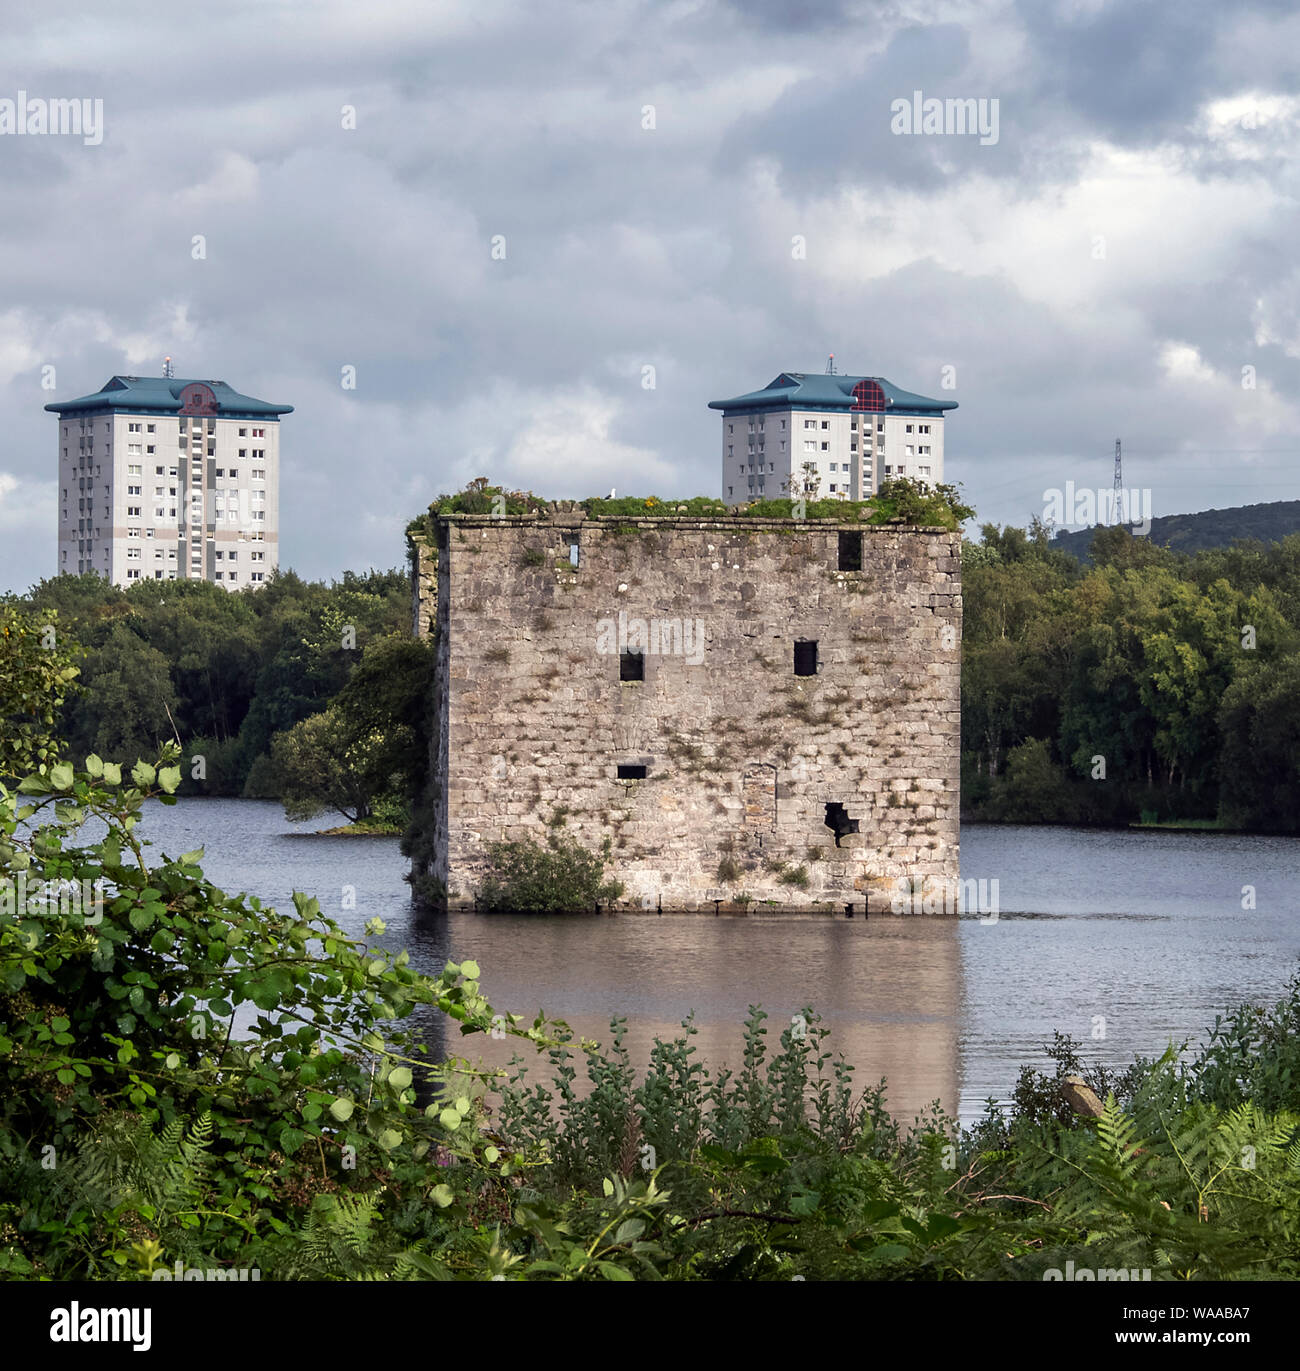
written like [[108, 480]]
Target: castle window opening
[[631, 665], [805, 657], [838, 821], [850, 552], [630, 772]]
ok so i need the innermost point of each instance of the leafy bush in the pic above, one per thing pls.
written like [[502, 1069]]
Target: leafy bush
[[562, 877]]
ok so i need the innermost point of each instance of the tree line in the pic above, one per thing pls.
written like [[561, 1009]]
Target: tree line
[[313, 694], [1150, 684]]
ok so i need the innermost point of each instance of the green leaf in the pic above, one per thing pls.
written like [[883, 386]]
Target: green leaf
[[143, 775], [173, 1060], [399, 1077], [389, 1139], [192, 858], [61, 776], [169, 778], [450, 1119], [469, 970], [112, 773], [342, 1109], [442, 1195], [94, 765]]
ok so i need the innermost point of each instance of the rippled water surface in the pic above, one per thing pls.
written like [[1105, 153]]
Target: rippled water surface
[[1144, 931]]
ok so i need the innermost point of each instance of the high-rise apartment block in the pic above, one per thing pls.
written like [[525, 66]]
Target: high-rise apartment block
[[841, 434], [162, 479]]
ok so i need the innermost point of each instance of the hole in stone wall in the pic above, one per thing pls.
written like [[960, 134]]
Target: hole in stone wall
[[850, 552], [805, 658], [631, 773], [631, 666], [838, 821]]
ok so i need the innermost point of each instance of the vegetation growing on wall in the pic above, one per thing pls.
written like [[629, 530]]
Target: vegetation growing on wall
[[909, 502], [560, 876]]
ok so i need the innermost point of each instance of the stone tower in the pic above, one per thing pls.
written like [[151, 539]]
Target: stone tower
[[757, 713]]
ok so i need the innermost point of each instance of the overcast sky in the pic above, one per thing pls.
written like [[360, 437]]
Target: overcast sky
[[1105, 269]]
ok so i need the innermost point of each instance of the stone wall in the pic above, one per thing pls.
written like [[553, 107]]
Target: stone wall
[[761, 785], [424, 585]]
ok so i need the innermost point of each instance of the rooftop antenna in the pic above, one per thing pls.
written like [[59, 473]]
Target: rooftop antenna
[[830, 365], [168, 370], [1118, 496]]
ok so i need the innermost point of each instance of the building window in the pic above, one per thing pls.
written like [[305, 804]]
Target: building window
[[631, 773], [909, 428], [631, 666], [850, 552], [805, 657], [826, 423]]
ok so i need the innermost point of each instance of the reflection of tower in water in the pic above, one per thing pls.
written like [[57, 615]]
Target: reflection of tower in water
[[890, 989]]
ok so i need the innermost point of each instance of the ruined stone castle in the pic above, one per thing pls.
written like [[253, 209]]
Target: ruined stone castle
[[757, 713]]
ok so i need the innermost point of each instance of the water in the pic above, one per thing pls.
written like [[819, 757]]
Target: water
[[1140, 936]]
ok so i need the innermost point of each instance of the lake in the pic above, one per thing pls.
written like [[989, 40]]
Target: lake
[[1124, 939]]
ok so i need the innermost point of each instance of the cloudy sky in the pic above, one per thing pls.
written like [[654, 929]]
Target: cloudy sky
[[1110, 266]]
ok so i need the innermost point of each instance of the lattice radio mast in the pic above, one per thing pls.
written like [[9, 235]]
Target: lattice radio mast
[[1119, 486]]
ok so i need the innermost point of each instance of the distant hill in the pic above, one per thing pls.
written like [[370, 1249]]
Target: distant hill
[[1209, 528]]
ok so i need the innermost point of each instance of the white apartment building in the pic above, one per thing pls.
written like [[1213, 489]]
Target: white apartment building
[[852, 431], [162, 479]]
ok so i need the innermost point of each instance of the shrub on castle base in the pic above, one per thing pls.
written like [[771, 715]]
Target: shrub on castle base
[[562, 877]]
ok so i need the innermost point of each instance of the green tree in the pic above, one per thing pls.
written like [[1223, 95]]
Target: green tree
[[1259, 761], [135, 701], [36, 676]]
